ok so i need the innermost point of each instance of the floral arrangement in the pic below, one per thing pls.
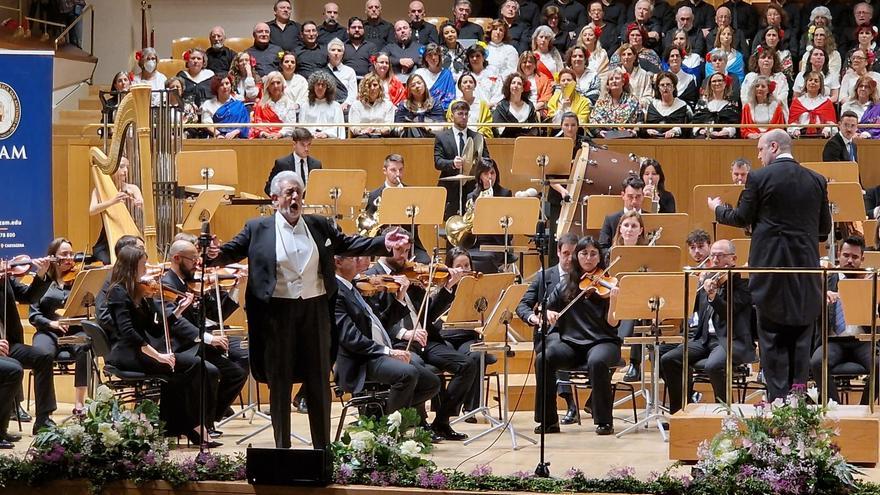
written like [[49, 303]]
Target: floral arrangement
[[786, 448]]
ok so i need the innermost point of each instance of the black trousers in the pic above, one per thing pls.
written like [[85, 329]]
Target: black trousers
[[412, 384], [461, 341], [841, 351], [463, 368], [560, 354], [626, 329], [11, 373], [40, 361], [672, 367], [785, 355], [298, 349], [232, 378], [48, 344]]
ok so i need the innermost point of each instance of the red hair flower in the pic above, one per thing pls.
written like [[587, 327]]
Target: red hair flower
[[527, 86], [138, 55], [728, 80], [597, 30], [625, 78], [253, 62], [372, 59], [130, 77], [760, 50], [187, 54], [772, 86], [781, 34], [709, 57], [537, 56], [683, 52]]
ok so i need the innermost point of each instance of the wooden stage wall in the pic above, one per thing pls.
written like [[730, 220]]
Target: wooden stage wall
[[686, 163]]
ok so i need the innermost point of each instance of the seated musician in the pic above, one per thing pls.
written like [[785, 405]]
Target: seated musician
[[366, 351], [630, 232], [528, 308], [184, 261], [102, 311], [392, 169], [428, 344], [698, 243], [843, 347], [299, 161], [487, 184], [45, 320], [632, 195], [709, 339], [739, 170], [128, 194], [585, 336], [662, 201], [16, 355], [139, 344]]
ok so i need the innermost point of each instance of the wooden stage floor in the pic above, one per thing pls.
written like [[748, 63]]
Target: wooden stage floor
[[577, 446]]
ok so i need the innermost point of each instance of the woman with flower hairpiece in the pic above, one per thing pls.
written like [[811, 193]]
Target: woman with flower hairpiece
[[859, 64], [716, 106], [817, 61], [296, 88], [761, 105], [865, 96], [453, 56], [822, 37], [274, 108], [241, 75], [588, 81], [639, 79], [224, 108], [559, 25], [617, 106], [548, 55], [372, 106], [488, 82], [539, 84], [605, 32], [691, 62], [148, 63], [196, 78], [666, 108], [820, 16], [772, 39], [597, 56], [437, 77], [646, 58], [480, 111], [394, 89], [515, 108], [866, 40], [685, 82], [765, 62], [499, 50], [812, 107], [777, 19]]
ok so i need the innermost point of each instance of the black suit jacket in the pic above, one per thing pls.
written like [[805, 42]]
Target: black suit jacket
[[16, 291], [256, 242], [835, 150], [356, 344], [286, 163], [445, 151], [872, 200], [185, 331], [526, 306], [609, 227], [743, 345], [787, 207]]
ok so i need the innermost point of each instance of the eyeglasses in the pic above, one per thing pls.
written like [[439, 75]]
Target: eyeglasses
[[719, 255]]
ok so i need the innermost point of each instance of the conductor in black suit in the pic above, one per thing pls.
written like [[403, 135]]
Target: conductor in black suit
[[841, 147], [302, 144], [448, 150], [632, 194], [787, 207], [289, 300]]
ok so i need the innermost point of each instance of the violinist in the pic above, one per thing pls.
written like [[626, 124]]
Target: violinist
[[586, 337], [102, 310], [45, 320], [487, 184], [138, 343], [708, 340], [15, 354], [184, 261], [428, 344], [698, 243], [128, 194]]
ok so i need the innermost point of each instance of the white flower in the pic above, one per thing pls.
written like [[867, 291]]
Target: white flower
[[73, 431], [109, 436], [361, 440], [103, 394], [777, 402], [832, 404], [813, 394], [394, 420], [729, 457], [725, 445], [410, 448]]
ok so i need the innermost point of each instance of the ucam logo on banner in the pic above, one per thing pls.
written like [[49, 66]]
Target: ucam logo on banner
[[25, 152]]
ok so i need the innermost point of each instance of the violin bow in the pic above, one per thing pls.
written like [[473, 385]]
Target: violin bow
[[423, 307]]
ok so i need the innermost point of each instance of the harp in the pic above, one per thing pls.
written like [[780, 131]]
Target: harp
[[133, 113]]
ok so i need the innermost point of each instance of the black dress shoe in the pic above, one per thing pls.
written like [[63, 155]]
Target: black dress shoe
[[10, 437], [214, 433], [605, 429], [448, 433], [41, 423], [436, 438], [571, 416], [301, 406], [554, 428], [196, 439], [633, 374], [19, 414], [4, 444]]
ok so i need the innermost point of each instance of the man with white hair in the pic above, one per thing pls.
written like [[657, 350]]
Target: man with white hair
[[786, 206], [264, 52], [723, 18], [517, 29], [704, 14], [346, 79], [219, 55], [743, 17], [863, 14], [467, 30], [684, 19], [643, 16], [331, 28]]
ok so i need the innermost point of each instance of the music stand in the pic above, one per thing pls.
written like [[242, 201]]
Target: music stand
[[413, 206], [600, 206], [704, 218], [499, 320], [846, 202], [835, 171], [86, 286], [646, 259], [203, 209], [859, 298], [675, 229], [535, 156], [472, 299], [461, 179], [505, 216], [207, 170], [339, 189], [657, 297]]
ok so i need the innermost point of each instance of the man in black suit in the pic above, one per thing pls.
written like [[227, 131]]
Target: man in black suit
[[519, 31], [723, 19], [787, 207], [526, 310], [302, 145], [643, 17], [709, 339], [448, 150], [841, 147], [704, 13], [632, 195], [366, 350], [283, 31], [743, 17], [289, 300], [845, 347], [392, 169], [423, 32]]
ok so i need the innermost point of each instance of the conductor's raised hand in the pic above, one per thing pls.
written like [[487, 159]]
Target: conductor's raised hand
[[214, 248], [396, 239], [714, 202]]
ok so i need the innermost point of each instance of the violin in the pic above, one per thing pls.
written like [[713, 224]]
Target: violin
[[599, 282], [20, 265], [370, 285], [70, 276], [419, 273], [226, 277], [155, 289]]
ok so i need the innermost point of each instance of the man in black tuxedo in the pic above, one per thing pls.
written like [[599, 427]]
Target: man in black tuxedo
[[841, 147], [787, 207], [708, 341], [632, 195], [845, 347], [289, 301], [526, 310], [366, 350], [448, 150], [302, 145], [704, 13]]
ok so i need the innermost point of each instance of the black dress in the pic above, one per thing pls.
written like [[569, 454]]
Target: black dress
[[488, 262], [677, 113], [503, 115], [727, 114]]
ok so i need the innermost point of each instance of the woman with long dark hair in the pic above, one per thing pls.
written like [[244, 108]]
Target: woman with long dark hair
[[655, 183]]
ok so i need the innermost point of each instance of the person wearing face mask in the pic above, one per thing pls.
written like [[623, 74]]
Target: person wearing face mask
[[148, 62], [331, 28], [220, 56]]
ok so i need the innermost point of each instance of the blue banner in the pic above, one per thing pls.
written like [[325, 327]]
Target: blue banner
[[25, 152]]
